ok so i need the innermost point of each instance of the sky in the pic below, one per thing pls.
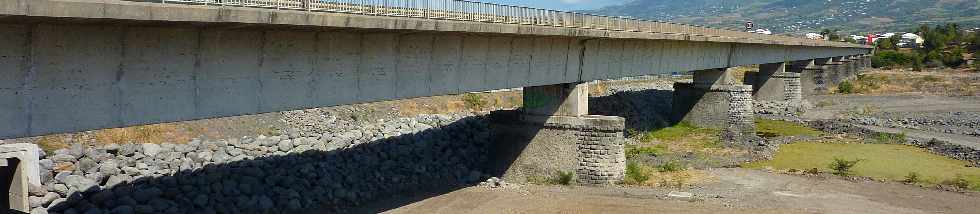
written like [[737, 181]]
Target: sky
[[560, 4]]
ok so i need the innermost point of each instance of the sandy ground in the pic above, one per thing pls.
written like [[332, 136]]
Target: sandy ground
[[732, 191]]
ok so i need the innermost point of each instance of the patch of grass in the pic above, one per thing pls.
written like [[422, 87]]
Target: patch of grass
[[51, 143], [931, 78], [886, 138], [637, 151], [683, 131], [636, 174], [881, 161], [671, 167], [153, 134], [957, 181], [777, 128], [845, 87]]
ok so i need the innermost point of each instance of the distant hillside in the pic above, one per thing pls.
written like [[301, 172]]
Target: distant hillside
[[795, 16]]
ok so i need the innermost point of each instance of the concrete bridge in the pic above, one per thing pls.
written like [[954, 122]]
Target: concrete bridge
[[76, 65]]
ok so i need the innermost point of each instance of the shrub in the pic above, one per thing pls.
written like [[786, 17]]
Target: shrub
[[474, 101], [845, 87], [635, 174], [892, 59], [843, 167], [565, 178], [958, 182], [954, 58], [911, 178], [812, 171], [670, 167]]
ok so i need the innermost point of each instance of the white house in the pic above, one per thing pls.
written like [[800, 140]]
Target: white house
[[911, 38], [814, 36]]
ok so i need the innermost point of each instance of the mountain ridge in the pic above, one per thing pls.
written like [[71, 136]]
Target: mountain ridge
[[800, 16]]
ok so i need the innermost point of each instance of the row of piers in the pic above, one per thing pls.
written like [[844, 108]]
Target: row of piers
[[554, 134]]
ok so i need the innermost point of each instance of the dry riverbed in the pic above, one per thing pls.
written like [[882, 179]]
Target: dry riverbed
[[731, 191]]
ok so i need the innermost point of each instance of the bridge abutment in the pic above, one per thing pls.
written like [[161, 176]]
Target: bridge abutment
[[714, 100], [554, 135], [19, 169]]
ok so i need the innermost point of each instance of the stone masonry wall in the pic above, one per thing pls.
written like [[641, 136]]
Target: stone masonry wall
[[533, 149], [727, 107], [740, 113], [793, 87]]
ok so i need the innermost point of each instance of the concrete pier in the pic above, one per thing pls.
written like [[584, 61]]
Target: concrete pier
[[773, 83], [714, 100], [553, 135]]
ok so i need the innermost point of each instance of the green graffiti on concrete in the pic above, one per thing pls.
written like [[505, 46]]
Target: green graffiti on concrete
[[535, 99]]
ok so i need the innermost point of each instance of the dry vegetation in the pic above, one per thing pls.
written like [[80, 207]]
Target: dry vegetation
[[154, 134], [938, 82], [270, 123]]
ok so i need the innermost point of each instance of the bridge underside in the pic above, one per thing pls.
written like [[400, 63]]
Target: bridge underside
[[76, 77]]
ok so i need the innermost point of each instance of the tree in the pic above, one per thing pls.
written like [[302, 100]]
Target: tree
[[887, 43], [934, 41], [830, 34], [973, 42]]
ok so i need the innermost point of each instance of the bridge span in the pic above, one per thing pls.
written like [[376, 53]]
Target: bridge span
[[77, 65]]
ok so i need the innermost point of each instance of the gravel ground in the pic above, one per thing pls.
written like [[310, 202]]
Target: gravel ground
[[952, 119], [732, 191]]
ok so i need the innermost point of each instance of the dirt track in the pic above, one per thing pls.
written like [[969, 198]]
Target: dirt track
[[732, 191]]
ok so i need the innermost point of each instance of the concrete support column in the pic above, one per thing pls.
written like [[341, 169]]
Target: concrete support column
[[816, 79], [570, 99], [19, 167], [773, 83], [554, 134], [810, 74], [867, 61], [847, 70], [713, 100], [836, 72]]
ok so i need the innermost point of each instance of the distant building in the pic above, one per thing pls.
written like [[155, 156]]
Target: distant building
[[910, 40], [761, 31], [814, 36]]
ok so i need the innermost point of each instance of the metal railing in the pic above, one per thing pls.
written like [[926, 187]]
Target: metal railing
[[462, 10]]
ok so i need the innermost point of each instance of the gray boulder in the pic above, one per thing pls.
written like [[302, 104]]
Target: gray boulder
[[80, 183], [150, 150]]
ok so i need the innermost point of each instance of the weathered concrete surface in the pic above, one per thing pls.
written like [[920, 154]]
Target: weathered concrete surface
[[537, 148], [69, 78], [715, 100], [571, 99], [726, 107], [774, 83]]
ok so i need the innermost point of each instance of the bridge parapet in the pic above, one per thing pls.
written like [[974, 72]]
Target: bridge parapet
[[292, 12]]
